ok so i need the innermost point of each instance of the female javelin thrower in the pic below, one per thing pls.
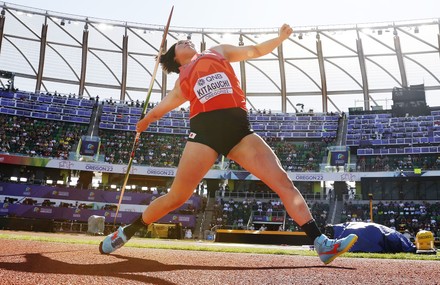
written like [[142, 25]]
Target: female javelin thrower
[[219, 125]]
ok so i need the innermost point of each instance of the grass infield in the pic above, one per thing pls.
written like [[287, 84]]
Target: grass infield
[[136, 242]]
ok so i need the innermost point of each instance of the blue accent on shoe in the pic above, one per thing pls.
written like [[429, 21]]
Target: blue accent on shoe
[[113, 241], [329, 249]]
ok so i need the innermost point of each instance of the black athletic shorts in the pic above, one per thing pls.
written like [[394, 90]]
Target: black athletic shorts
[[220, 129]]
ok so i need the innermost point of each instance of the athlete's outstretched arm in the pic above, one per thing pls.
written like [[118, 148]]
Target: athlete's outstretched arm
[[236, 53], [173, 100]]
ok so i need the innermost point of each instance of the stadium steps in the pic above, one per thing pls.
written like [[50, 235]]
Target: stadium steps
[[204, 219], [334, 216], [93, 129], [341, 139]]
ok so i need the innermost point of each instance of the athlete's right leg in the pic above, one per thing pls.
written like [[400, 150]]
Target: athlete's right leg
[[195, 162]]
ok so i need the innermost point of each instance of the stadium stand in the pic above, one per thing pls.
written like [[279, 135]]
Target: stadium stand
[[38, 137], [300, 141]]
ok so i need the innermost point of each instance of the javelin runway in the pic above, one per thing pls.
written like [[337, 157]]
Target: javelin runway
[[35, 262]]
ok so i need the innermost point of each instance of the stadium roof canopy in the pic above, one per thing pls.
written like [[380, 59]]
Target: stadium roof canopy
[[324, 68]]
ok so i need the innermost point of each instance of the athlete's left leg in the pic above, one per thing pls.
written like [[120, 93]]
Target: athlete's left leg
[[257, 157], [253, 154]]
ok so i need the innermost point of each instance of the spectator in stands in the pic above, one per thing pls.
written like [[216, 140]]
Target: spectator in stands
[[220, 125]]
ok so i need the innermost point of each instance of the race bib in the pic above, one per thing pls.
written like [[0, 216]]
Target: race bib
[[212, 85]]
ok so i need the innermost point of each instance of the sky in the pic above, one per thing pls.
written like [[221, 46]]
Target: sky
[[244, 13]]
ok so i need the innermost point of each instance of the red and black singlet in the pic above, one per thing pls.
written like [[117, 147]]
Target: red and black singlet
[[209, 83]]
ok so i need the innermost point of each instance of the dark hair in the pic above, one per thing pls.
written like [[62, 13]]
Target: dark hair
[[168, 61]]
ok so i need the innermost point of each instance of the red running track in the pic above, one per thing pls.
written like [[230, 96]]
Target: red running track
[[35, 262]]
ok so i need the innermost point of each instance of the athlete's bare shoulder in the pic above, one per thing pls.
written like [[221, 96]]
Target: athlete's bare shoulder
[[219, 49]]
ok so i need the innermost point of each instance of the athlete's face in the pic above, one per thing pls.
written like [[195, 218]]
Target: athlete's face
[[184, 44], [185, 49]]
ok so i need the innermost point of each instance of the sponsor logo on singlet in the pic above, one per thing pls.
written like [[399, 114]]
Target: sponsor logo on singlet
[[212, 85]]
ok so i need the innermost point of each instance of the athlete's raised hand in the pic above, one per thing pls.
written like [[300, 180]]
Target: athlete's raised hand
[[285, 31]]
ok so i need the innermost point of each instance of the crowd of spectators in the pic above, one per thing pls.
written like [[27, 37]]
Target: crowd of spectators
[[165, 150], [301, 157], [295, 156], [38, 138], [153, 149], [401, 216], [51, 138], [398, 162]]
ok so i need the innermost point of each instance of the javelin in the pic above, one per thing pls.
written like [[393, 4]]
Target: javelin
[[144, 111]]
